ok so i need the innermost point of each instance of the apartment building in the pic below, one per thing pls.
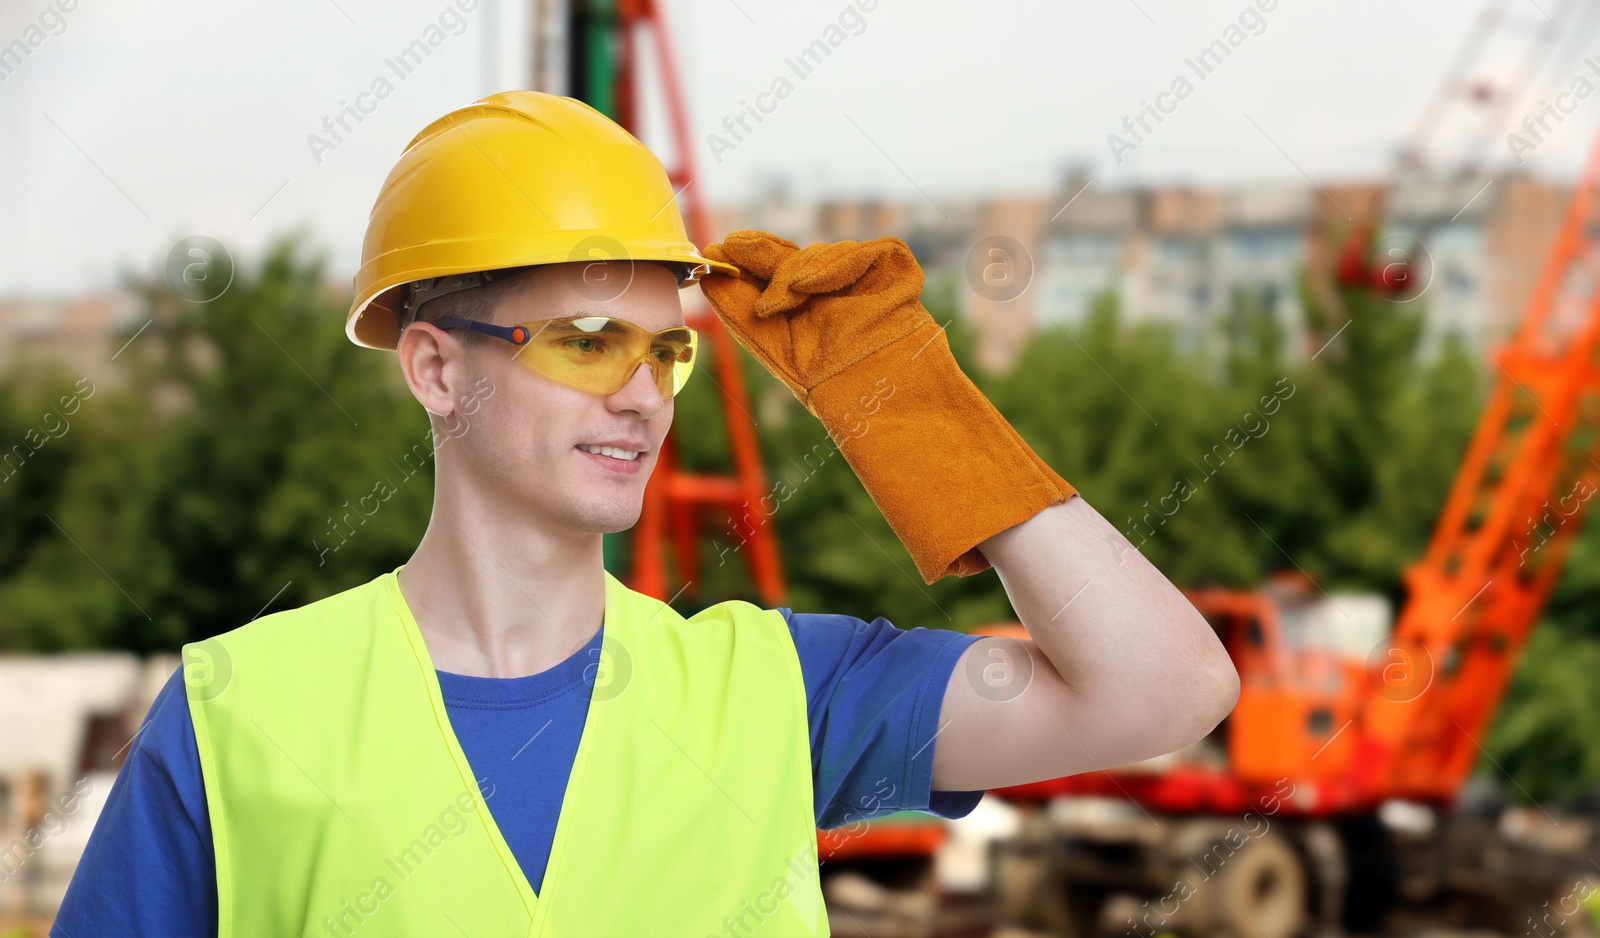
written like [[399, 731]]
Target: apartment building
[[79, 334]]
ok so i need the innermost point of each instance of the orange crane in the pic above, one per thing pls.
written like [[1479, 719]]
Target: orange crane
[[1519, 499], [1349, 738], [1375, 753]]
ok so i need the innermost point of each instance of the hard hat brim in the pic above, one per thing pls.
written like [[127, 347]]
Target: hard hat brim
[[374, 318]]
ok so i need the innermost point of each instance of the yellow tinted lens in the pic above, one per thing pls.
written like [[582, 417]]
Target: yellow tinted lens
[[676, 349], [598, 354]]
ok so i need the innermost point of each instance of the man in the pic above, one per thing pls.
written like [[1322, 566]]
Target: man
[[498, 737]]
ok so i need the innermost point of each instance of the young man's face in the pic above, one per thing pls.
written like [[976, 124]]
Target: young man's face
[[524, 442]]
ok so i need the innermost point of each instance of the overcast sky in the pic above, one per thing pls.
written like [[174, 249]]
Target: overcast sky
[[137, 124]]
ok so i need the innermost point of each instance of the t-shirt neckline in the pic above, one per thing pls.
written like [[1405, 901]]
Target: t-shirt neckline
[[578, 668]]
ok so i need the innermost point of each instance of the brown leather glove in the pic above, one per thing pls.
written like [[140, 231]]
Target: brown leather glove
[[842, 326]]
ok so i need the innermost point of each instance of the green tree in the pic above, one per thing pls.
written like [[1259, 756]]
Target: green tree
[[53, 425], [230, 482]]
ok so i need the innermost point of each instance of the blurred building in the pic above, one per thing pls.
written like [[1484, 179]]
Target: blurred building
[[1487, 238], [1179, 255], [68, 722], [1092, 237], [1187, 255], [79, 334]]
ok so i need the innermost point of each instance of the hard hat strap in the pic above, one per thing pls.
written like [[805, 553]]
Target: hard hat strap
[[417, 292]]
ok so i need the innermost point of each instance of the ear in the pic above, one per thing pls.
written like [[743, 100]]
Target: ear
[[434, 365]]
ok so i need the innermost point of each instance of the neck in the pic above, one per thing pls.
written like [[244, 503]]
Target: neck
[[495, 596]]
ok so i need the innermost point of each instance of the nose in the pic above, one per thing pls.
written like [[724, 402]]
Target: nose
[[640, 394]]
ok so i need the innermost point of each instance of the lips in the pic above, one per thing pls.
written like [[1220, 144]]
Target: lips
[[619, 464], [627, 453]]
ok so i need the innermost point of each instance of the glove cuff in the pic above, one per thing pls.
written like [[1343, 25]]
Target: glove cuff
[[943, 466]]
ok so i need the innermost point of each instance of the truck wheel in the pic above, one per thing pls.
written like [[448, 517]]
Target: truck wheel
[[1259, 891]]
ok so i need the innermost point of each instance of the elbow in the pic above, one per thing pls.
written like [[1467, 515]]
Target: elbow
[[1224, 693], [1213, 690], [1199, 698], [1199, 690], [1215, 683]]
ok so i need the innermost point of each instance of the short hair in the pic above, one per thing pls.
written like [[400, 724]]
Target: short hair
[[479, 303], [476, 304]]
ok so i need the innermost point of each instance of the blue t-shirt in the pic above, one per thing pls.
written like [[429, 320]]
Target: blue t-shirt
[[873, 693]]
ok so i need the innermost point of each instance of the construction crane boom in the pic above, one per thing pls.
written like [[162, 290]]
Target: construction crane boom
[[1522, 492]]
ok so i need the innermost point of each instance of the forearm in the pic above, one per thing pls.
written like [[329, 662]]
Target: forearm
[[1121, 637]]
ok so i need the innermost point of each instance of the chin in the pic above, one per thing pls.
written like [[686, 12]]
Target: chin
[[621, 526], [606, 517]]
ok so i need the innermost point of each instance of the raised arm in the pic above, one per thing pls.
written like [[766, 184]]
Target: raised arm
[[1120, 667]]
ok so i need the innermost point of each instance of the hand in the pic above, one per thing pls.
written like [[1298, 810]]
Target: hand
[[809, 313], [841, 325]]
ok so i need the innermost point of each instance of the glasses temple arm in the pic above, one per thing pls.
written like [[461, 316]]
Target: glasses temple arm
[[509, 333]]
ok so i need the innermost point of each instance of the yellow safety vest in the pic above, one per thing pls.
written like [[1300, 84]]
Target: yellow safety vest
[[341, 803]]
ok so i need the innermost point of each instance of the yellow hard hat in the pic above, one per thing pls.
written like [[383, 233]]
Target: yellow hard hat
[[516, 178]]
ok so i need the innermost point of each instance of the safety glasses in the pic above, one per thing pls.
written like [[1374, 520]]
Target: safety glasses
[[596, 354]]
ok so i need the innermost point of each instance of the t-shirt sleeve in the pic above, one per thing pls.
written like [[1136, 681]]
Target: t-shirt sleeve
[[149, 867], [873, 692]]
